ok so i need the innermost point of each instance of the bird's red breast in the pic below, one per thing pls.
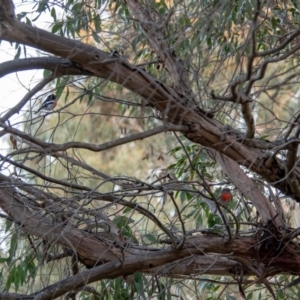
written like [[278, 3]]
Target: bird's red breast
[[225, 196]]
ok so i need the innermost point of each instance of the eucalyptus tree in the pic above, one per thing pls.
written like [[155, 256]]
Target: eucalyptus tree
[[218, 81]]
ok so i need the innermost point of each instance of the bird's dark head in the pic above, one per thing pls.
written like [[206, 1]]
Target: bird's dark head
[[226, 190]]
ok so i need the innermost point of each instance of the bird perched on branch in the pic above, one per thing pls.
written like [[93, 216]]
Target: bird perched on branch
[[48, 104], [224, 198]]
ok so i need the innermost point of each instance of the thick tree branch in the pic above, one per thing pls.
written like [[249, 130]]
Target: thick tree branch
[[291, 164], [57, 65], [155, 262], [7, 11], [124, 258], [48, 199], [14, 296], [35, 224], [100, 64], [87, 244]]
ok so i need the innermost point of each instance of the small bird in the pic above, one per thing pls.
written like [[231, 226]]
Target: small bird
[[224, 198], [48, 104]]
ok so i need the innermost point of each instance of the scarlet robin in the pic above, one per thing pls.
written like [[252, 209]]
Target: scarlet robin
[[48, 104], [225, 196]]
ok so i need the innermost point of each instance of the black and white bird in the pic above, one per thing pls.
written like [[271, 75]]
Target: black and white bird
[[48, 104]]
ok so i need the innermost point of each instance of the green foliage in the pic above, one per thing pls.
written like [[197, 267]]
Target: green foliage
[[61, 84], [123, 224], [151, 238], [21, 269], [190, 161], [12, 248], [8, 225]]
